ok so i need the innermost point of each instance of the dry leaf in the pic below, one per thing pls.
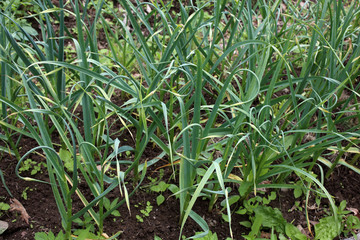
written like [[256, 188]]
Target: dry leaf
[[264, 189], [313, 222], [15, 205], [312, 207], [355, 211], [265, 235], [305, 231]]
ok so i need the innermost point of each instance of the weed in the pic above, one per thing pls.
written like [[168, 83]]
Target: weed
[[34, 166], [145, 212], [160, 188], [110, 205], [4, 207], [24, 193]]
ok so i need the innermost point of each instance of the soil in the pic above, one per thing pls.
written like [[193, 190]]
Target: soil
[[163, 220]]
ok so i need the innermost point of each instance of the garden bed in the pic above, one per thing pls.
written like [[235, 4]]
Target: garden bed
[[186, 117]]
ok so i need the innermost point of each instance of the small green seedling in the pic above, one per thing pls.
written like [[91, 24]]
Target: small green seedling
[[25, 191], [49, 236], [271, 218], [160, 188], [29, 164], [147, 209], [144, 212], [139, 218], [86, 222], [80, 233], [4, 207], [208, 236], [68, 159], [109, 205]]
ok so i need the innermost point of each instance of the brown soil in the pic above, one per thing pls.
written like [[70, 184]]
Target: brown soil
[[163, 220]]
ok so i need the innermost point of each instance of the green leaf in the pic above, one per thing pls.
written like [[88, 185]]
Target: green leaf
[[4, 206], [30, 30], [160, 199], [106, 203], [60, 236], [271, 217], [352, 222], [327, 229], [86, 234], [272, 196], [113, 204], [41, 236], [342, 205], [241, 211], [116, 213], [298, 192], [209, 236], [244, 187], [255, 227], [200, 171], [45, 236], [246, 224], [161, 187], [174, 189], [225, 217], [293, 232], [282, 237], [65, 155], [232, 200]]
